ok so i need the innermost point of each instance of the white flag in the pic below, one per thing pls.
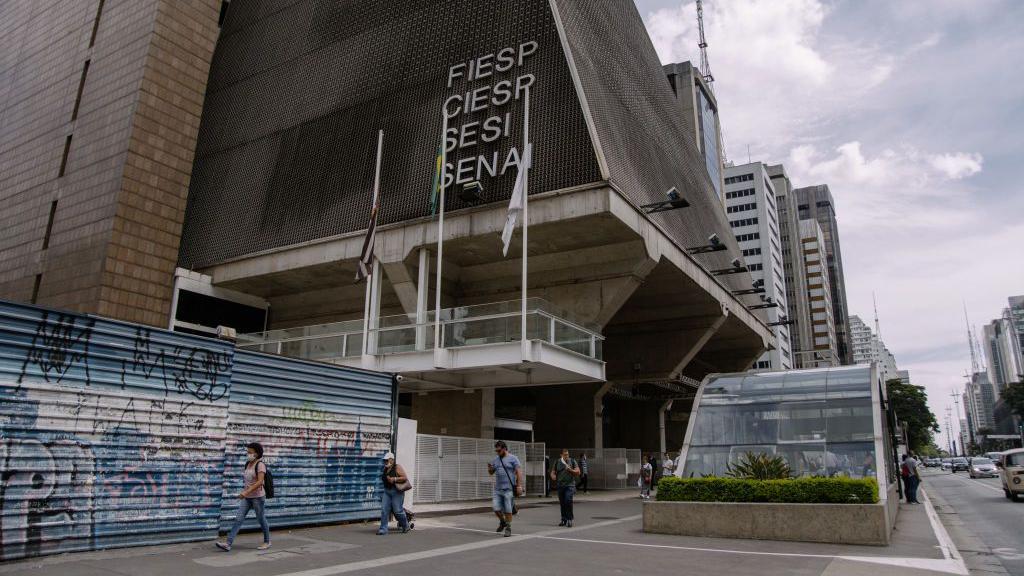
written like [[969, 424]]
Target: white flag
[[515, 205]]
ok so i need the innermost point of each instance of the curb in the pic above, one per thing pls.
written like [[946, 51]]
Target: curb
[[978, 557]]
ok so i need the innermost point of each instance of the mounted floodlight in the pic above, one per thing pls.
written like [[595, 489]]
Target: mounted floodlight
[[713, 240], [769, 304], [737, 267], [674, 201], [759, 283], [714, 245], [736, 263], [471, 192]]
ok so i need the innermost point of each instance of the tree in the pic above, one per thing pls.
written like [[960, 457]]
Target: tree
[[911, 406], [1013, 397]]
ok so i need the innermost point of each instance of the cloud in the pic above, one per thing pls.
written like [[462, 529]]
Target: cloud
[[957, 165]]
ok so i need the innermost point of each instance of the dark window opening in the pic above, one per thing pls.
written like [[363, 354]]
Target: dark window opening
[[64, 158], [35, 288], [49, 225], [81, 86], [96, 24], [210, 311], [223, 12]]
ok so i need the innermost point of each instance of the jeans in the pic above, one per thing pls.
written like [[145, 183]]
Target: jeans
[[255, 504], [501, 501], [392, 501], [911, 483], [565, 494]]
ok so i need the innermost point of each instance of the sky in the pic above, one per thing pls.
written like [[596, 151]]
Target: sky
[[913, 113]]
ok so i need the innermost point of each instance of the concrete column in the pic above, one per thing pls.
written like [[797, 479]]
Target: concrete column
[[699, 344], [598, 414], [487, 413], [422, 295], [661, 425]]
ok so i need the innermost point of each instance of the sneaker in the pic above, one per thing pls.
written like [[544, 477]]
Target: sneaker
[[263, 546], [406, 529], [568, 523], [501, 526], [508, 531], [223, 546], [381, 533], [562, 523]]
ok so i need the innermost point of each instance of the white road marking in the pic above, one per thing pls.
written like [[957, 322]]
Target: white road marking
[[982, 484], [949, 550], [447, 550]]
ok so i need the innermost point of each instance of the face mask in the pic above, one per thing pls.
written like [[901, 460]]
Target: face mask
[[250, 457]]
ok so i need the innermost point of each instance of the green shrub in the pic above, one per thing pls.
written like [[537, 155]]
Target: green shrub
[[760, 466], [837, 490]]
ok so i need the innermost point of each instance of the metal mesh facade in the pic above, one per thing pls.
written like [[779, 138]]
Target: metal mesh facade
[[299, 89]]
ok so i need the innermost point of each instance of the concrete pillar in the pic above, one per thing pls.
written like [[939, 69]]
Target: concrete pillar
[[598, 414], [661, 425], [422, 295], [467, 413], [371, 314], [699, 344]]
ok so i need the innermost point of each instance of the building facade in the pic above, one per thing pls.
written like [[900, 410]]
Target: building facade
[[750, 204], [867, 347], [825, 348], [816, 202], [98, 130], [798, 310], [698, 110]]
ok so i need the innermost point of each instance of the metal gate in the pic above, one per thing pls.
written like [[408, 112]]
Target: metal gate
[[451, 468], [536, 468], [608, 468], [323, 429], [111, 434]]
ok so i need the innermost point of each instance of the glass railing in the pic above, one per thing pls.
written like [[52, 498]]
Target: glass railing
[[491, 323]]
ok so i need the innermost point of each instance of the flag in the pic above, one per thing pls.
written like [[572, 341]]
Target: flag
[[364, 267], [515, 205], [435, 185]]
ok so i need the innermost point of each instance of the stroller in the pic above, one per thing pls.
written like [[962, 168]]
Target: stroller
[[410, 516]]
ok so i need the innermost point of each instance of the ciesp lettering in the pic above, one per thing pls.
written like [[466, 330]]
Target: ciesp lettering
[[504, 87]]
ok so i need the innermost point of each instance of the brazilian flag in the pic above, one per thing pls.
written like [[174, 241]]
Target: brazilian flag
[[435, 185]]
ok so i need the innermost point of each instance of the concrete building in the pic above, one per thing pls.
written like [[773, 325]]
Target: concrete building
[[867, 347], [816, 202], [750, 205], [1002, 342], [97, 137], [248, 131], [824, 351], [904, 376], [798, 308], [698, 110]]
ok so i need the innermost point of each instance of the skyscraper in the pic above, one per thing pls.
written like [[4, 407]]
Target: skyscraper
[[750, 206], [866, 347], [824, 351], [699, 112], [798, 310], [816, 202]]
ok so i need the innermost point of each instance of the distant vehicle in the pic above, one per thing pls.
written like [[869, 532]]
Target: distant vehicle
[[994, 456], [1011, 472], [960, 463], [947, 463], [932, 462], [982, 468]]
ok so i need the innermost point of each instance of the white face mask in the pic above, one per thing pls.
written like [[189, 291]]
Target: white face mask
[[250, 457]]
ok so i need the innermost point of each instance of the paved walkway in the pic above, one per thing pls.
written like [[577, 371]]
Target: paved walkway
[[607, 539]]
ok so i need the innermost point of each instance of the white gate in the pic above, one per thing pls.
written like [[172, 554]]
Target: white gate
[[451, 468], [608, 468]]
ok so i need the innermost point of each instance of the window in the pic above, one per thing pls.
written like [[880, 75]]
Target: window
[[740, 178], [755, 267], [49, 225], [762, 364], [802, 207], [96, 24], [741, 208], [752, 252], [64, 158], [739, 193], [81, 86], [743, 222], [822, 204], [746, 237]]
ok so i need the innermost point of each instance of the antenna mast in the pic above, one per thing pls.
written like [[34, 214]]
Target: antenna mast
[[972, 343], [878, 330], [705, 68]]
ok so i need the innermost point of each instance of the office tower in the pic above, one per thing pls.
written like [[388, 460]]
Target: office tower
[[798, 310], [824, 351], [699, 112]]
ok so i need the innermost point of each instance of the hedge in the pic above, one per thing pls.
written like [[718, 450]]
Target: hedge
[[839, 490]]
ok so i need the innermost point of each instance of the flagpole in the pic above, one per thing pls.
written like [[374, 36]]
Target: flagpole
[[373, 209], [526, 159], [440, 229]]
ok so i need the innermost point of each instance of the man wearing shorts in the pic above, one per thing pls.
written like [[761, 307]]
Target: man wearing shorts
[[508, 483]]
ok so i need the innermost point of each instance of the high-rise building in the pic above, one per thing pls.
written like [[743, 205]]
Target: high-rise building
[[816, 202], [798, 309], [824, 351], [750, 205], [978, 404], [867, 347], [904, 376], [102, 102], [699, 112], [1002, 342]]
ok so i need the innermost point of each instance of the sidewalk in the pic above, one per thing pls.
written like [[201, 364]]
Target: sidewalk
[[433, 510]]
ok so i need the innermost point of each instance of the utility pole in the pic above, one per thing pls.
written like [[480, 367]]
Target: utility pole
[[956, 402]]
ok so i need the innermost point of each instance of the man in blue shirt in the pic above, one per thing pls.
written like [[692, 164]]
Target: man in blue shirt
[[508, 483]]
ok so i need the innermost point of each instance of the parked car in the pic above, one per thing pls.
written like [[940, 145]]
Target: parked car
[[932, 462], [994, 456], [947, 463], [1011, 472], [960, 463], [982, 468]]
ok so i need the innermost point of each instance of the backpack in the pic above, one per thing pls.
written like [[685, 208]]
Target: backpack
[[905, 470], [268, 480]]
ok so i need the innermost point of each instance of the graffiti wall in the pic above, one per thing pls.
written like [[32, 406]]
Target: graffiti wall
[[323, 429], [112, 434]]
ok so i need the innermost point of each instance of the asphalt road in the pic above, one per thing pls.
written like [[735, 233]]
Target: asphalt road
[[981, 505]]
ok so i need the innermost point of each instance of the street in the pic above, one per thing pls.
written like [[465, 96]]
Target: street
[[607, 539], [980, 504]]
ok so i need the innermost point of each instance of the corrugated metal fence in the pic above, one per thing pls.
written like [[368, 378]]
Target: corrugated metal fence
[[113, 434]]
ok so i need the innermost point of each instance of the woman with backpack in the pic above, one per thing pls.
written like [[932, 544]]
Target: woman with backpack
[[253, 496], [392, 498]]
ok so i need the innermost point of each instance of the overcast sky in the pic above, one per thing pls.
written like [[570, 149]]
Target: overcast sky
[[913, 114]]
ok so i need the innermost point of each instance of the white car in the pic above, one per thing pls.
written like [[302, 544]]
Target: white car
[[1011, 472], [982, 468]]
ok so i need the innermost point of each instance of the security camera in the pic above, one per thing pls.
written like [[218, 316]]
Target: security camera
[[736, 263], [675, 198], [759, 282], [471, 192], [713, 240], [399, 378]]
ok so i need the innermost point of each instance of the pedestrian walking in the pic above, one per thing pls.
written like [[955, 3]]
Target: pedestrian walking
[[564, 474], [655, 469], [584, 473], [508, 483], [668, 466], [646, 477], [911, 478], [253, 496], [392, 497]]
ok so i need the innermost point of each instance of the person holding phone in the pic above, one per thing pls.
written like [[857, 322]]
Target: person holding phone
[[564, 473], [508, 483]]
